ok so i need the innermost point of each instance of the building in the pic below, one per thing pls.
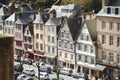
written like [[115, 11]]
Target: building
[[6, 58], [39, 34], [4, 13], [52, 27], [70, 10], [29, 40], [67, 41], [23, 20], [86, 49], [108, 35], [10, 25]]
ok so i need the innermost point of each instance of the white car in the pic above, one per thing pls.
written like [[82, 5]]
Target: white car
[[43, 75], [66, 71], [40, 64], [29, 71], [21, 77]]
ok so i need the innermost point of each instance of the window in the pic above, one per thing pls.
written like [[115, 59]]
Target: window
[[65, 45], [0, 27], [52, 29], [67, 35], [118, 26], [85, 47], [103, 39], [41, 27], [65, 55], [71, 56], [111, 40], [81, 37], [62, 34], [37, 36], [87, 38], [92, 61], [53, 50], [37, 46], [48, 39], [8, 31], [86, 58], [118, 58], [116, 11], [29, 39], [25, 38], [48, 29], [59, 43], [18, 26], [103, 24], [52, 39], [71, 46], [118, 41], [92, 49], [41, 46], [108, 10], [110, 25], [41, 36], [79, 57], [60, 53], [103, 55], [80, 46], [48, 49], [37, 26], [111, 57], [27, 32]]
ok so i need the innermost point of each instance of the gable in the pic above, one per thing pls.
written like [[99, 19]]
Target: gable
[[27, 31]]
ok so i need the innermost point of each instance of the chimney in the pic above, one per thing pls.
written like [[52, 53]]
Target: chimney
[[105, 2], [53, 14]]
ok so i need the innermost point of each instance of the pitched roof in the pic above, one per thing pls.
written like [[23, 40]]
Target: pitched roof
[[41, 18], [13, 17], [91, 25], [25, 17], [74, 24], [114, 3]]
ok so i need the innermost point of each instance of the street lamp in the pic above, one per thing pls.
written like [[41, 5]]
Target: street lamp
[[37, 64]]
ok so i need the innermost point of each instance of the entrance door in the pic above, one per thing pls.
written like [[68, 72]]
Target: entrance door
[[111, 75]]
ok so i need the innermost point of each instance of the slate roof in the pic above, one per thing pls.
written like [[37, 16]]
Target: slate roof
[[42, 18], [24, 17], [114, 3], [74, 24], [91, 25]]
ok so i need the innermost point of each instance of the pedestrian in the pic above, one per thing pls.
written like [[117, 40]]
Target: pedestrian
[[96, 78], [86, 77], [107, 78]]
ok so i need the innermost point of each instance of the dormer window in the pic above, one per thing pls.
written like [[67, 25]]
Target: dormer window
[[116, 10], [108, 10]]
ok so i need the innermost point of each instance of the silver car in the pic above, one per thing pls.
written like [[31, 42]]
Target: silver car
[[29, 71], [21, 77]]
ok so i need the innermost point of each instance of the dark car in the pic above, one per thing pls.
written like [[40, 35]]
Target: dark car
[[16, 74], [27, 61], [18, 68]]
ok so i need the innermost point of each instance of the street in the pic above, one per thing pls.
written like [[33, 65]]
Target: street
[[52, 75]]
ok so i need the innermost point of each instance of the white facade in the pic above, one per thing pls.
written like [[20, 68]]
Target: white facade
[[66, 54], [50, 38]]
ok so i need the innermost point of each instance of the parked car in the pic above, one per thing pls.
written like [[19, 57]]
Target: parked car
[[18, 68], [43, 75], [21, 77], [66, 71], [30, 78], [79, 75], [45, 69], [16, 58], [29, 71], [40, 64], [16, 74], [60, 78], [27, 61]]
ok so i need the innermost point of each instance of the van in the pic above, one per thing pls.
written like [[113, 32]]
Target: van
[[45, 69], [66, 71]]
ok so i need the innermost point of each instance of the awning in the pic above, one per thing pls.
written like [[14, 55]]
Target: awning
[[100, 67], [49, 55], [39, 54]]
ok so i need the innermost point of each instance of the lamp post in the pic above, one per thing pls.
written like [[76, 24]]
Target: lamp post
[[37, 64]]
